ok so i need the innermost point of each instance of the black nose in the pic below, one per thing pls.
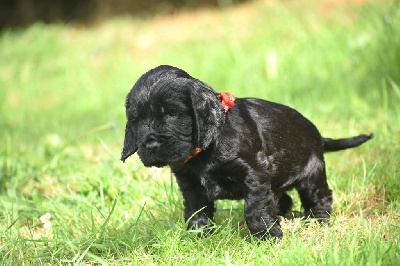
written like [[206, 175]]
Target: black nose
[[152, 144]]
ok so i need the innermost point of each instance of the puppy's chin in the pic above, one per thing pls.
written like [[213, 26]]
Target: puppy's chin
[[158, 163], [150, 160], [161, 159], [154, 163]]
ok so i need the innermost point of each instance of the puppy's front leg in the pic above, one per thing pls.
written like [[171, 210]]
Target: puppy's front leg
[[199, 210], [261, 212]]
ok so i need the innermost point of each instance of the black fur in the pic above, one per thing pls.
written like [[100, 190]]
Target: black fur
[[257, 150]]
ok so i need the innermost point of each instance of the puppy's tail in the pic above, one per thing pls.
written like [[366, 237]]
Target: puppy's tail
[[342, 144]]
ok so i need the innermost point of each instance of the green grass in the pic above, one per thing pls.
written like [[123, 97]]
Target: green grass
[[62, 90]]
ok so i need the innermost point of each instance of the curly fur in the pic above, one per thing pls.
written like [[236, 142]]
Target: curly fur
[[258, 150]]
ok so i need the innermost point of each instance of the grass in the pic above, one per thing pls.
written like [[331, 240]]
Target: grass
[[62, 124]]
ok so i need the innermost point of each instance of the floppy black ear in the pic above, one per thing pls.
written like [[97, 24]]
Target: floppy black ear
[[129, 143], [208, 113]]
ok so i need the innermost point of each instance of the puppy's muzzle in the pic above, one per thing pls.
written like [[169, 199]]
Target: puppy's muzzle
[[152, 143]]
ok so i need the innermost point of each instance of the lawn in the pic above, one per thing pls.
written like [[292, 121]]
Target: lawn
[[65, 198]]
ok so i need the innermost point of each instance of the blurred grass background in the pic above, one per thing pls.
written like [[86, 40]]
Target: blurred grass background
[[62, 92]]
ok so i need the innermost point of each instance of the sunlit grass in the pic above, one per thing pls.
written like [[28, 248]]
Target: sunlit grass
[[62, 122]]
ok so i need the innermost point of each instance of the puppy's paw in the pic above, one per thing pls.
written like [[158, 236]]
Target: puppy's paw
[[273, 233], [321, 217], [201, 225]]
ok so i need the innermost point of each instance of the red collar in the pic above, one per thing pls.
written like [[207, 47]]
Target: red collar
[[197, 150], [227, 101]]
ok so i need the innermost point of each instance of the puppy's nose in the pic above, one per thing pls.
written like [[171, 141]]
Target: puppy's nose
[[152, 144]]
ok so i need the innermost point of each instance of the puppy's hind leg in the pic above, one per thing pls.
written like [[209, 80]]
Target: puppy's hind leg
[[316, 197]]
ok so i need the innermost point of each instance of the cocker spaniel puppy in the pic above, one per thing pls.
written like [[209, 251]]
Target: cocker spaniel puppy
[[220, 147]]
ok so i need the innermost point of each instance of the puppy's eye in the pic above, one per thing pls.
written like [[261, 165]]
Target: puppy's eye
[[171, 115]]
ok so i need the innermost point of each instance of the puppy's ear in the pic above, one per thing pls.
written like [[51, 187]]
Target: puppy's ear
[[208, 113], [129, 143]]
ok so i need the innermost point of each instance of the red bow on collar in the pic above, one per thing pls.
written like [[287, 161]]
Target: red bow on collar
[[228, 100]]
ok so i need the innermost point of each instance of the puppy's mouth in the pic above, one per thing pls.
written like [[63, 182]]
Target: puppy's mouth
[[150, 159], [163, 156], [155, 164]]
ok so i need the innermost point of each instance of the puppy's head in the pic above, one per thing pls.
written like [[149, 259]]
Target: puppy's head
[[169, 114]]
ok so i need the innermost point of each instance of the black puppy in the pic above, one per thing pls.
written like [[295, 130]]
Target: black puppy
[[222, 148]]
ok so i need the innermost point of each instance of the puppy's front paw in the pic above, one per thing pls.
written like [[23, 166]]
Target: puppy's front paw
[[322, 217], [201, 225], [274, 232]]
